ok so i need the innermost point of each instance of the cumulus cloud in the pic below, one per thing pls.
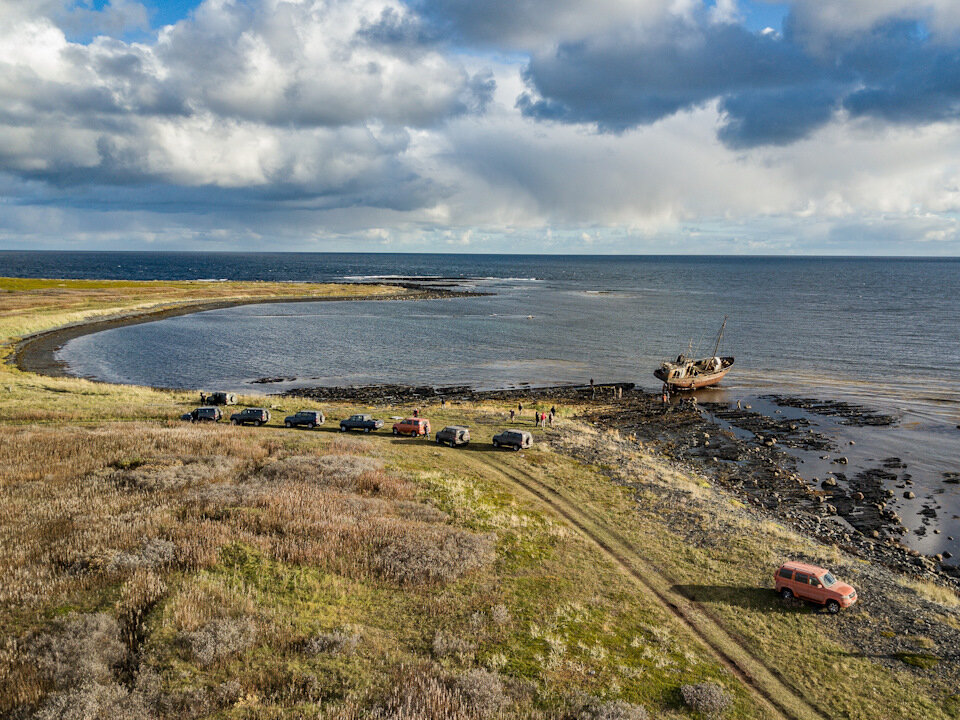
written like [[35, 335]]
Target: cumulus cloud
[[286, 101], [774, 89]]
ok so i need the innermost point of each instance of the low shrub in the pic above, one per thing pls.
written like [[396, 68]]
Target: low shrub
[[94, 701], [706, 698], [484, 693], [597, 709], [83, 649], [220, 638], [416, 553], [342, 641]]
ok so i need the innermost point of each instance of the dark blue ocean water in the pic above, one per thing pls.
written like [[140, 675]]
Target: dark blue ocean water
[[882, 332]]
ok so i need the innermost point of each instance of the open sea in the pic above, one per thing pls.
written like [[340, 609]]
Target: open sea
[[882, 332]]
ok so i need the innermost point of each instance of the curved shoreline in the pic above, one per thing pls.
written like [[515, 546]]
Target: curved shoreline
[[37, 353]]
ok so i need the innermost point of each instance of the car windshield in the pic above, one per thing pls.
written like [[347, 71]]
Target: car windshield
[[828, 580]]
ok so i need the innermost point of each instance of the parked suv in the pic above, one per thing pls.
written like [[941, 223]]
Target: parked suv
[[308, 418], [222, 398], [809, 582], [412, 426], [203, 414], [453, 435], [513, 438], [360, 422], [254, 416]]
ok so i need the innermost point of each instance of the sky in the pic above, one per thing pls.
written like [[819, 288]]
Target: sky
[[553, 126]]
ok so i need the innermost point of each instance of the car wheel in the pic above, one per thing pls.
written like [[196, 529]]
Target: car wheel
[[395, 432], [342, 429], [287, 423], [234, 422], [257, 423], [366, 429], [833, 607], [516, 448], [786, 594], [496, 444]]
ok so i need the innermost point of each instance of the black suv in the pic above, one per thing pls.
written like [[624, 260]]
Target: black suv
[[516, 439], [308, 418], [203, 414], [254, 416], [453, 435], [360, 422]]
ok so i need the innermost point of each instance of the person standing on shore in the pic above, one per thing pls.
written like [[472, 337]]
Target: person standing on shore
[[512, 413], [519, 409], [551, 417], [536, 418], [443, 403], [593, 390], [416, 412], [203, 399]]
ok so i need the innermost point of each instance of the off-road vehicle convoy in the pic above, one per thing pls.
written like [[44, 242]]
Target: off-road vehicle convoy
[[251, 416], [360, 422], [453, 435], [305, 418], [513, 438]]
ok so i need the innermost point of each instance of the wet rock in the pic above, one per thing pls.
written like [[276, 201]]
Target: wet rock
[[841, 461], [909, 495], [828, 482], [847, 413]]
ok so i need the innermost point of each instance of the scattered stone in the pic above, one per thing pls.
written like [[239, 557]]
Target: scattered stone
[[909, 495]]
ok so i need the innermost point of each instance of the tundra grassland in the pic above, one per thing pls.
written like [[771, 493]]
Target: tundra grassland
[[158, 569], [155, 568]]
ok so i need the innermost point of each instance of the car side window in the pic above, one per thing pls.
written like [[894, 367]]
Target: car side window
[[801, 578], [786, 573]]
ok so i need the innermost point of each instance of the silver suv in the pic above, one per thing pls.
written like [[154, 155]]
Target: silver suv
[[513, 438], [453, 435]]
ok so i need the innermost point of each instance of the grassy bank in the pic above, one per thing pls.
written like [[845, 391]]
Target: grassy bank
[[158, 569]]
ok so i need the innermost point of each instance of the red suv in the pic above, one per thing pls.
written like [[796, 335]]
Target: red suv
[[412, 426], [809, 582]]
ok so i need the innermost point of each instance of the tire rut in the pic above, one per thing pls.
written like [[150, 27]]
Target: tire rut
[[765, 684]]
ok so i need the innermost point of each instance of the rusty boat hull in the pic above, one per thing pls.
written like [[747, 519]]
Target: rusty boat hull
[[691, 377]]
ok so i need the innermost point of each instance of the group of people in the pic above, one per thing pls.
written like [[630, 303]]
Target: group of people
[[540, 419]]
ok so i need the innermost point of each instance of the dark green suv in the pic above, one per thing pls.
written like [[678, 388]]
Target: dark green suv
[[252, 416]]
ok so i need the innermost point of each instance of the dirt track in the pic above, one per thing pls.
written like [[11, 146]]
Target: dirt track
[[777, 698]]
